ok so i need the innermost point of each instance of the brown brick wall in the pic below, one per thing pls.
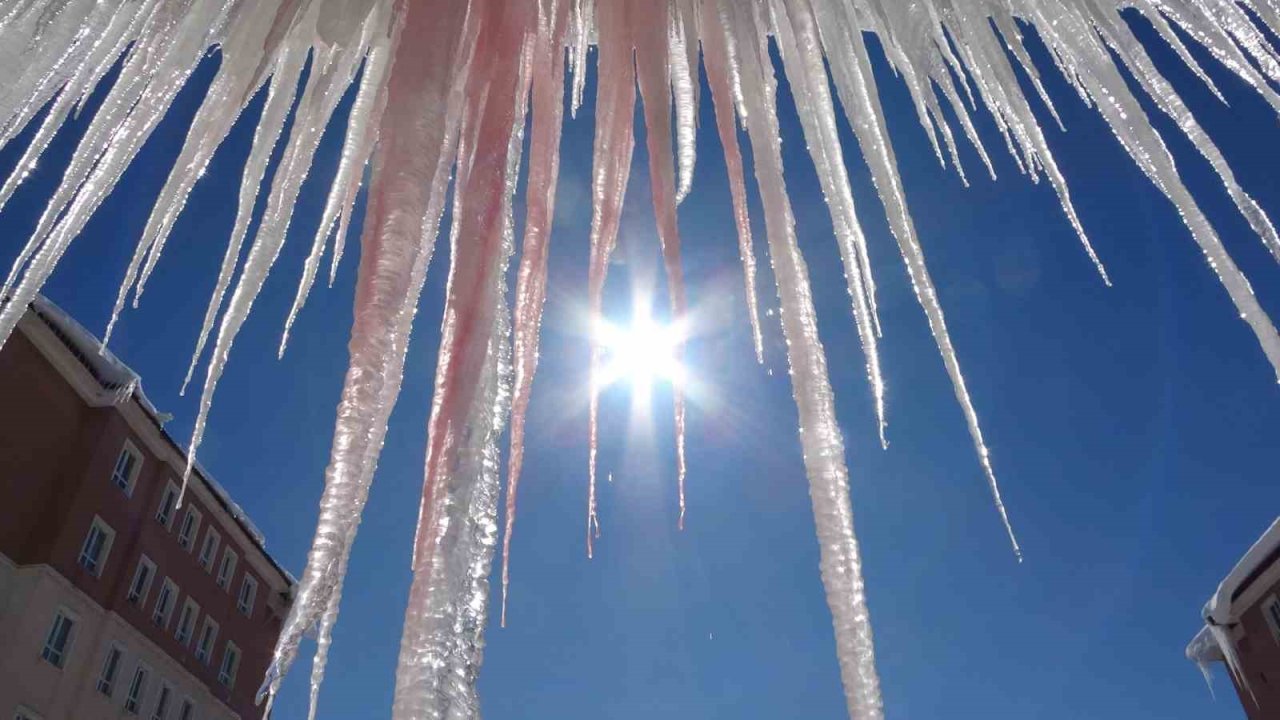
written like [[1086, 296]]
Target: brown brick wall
[[56, 458]]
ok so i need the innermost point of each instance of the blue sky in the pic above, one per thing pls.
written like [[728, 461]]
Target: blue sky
[[1133, 428]]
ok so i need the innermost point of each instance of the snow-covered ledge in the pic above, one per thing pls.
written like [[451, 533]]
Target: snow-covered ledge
[[1237, 591]]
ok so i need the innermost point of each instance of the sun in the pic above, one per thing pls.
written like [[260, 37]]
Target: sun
[[643, 353]]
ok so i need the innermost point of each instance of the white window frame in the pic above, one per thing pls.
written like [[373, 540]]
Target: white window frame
[[57, 657], [168, 505], [204, 650], [227, 675], [141, 599], [161, 615], [189, 528], [187, 710], [209, 548], [136, 695], [91, 563], [22, 712], [130, 482], [187, 620], [227, 569], [249, 586], [164, 698], [106, 683]]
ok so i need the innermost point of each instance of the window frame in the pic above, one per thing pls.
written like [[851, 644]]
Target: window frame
[[187, 709], [189, 527], [194, 607], [163, 698], [137, 684], [130, 450], [95, 564], [168, 509], [227, 676], [227, 554], [168, 610], [61, 614], [211, 544], [140, 600], [247, 582], [107, 685], [205, 654]]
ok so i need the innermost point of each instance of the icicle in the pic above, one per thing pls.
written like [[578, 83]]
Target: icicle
[[820, 437], [441, 649], [803, 63], [614, 143], [682, 69], [717, 60], [531, 279], [651, 69], [418, 134]]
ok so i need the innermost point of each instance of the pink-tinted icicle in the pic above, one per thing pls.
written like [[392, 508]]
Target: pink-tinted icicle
[[716, 58], [531, 279], [406, 197], [614, 143], [441, 647], [652, 72]]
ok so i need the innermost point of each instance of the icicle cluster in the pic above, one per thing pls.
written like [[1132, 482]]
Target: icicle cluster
[[445, 91]]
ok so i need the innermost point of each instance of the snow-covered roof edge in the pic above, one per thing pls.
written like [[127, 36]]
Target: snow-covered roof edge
[[1214, 641], [1220, 607], [122, 384]]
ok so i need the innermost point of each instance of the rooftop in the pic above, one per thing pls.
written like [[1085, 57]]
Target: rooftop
[[120, 384]]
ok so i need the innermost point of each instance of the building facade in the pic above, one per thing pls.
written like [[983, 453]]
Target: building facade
[[116, 601], [1242, 628]]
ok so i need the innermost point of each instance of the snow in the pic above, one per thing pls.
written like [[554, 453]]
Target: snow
[[1222, 611], [444, 88], [120, 385]]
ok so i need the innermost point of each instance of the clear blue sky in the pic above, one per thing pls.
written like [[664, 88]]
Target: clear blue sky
[[1134, 430]]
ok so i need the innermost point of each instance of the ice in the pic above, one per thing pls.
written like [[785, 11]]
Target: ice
[[531, 279], [444, 88]]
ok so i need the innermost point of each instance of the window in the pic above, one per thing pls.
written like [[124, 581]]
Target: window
[[227, 568], [165, 601], [230, 664], [110, 668], [168, 501], [189, 527], [208, 635], [248, 591], [162, 703], [1271, 609], [58, 644], [125, 472], [187, 622], [188, 711], [93, 554], [141, 584], [25, 713], [209, 549], [137, 689]]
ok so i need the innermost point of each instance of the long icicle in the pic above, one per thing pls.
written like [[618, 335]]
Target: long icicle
[[441, 647], [651, 70], [531, 278], [614, 143], [820, 438]]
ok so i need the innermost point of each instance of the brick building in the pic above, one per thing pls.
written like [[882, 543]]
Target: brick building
[[115, 602], [1242, 628]]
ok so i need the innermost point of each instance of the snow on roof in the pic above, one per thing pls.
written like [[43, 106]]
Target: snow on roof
[[1220, 608], [120, 384], [1214, 641]]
